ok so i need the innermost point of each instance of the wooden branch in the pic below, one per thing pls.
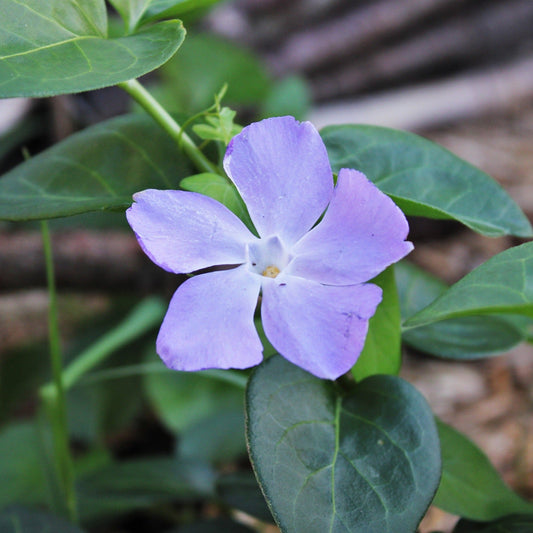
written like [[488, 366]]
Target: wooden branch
[[83, 260], [427, 105], [352, 32], [484, 34]]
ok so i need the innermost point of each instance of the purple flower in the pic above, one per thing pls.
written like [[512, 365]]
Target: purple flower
[[315, 302]]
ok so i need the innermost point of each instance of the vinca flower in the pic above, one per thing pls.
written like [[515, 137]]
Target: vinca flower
[[318, 245]]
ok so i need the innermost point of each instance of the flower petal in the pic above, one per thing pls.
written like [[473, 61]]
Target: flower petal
[[210, 322], [281, 168], [184, 231], [362, 233], [320, 328]]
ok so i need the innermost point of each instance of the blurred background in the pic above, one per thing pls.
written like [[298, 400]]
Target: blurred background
[[459, 72]]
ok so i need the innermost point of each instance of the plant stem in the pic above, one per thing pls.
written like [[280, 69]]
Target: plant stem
[[56, 404], [144, 317], [163, 118]]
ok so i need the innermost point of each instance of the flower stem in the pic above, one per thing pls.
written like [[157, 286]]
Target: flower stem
[[56, 404], [163, 118]]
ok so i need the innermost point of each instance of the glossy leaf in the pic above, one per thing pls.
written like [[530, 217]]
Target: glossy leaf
[[19, 519], [69, 50], [458, 338], [123, 486], [504, 284], [425, 179], [241, 491], [219, 188], [470, 486], [366, 460], [98, 168], [508, 524], [183, 399], [382, 351]]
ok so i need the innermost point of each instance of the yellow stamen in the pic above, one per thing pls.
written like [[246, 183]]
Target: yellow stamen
[[270, 271]]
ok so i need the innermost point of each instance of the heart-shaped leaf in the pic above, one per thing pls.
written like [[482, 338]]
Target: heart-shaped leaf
[[426, 179], [470, 486], [58, 47], [98, 168], [504, 284], [468, 337], [366, 460]]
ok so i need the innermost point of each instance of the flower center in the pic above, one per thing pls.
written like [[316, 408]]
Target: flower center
[[271, 271], [267, 257]]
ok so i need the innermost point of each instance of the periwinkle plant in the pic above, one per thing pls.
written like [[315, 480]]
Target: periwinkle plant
[[295, 241]]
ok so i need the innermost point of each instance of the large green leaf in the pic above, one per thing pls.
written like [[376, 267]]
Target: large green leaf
[[366, 460], [504, 284], [19, 519], [382, 351], [468, 337], [58, 47], [470, 486], [98, 168], [508, 524], [426, 179]]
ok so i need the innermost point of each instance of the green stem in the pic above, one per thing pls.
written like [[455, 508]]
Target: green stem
[[163, 118], [144, 317], [56, 404]]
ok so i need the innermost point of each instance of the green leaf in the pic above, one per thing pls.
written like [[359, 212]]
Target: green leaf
[[508, 524], [19, 519], [504, 284], [382, 351], [183, 399], [458, 338], [123, 486], [425, 179], [220, 189], [98, 168], [58, 47], [21, 471], [470, 486], [367, 460], [204, 65], [241, 491]]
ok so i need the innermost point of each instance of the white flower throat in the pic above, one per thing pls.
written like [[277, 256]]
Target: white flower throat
[[268, 257]]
